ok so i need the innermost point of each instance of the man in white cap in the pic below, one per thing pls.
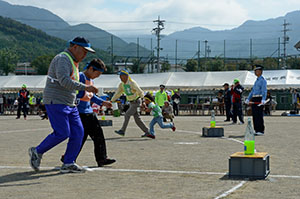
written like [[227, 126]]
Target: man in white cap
[[59, 98], [257, 97]]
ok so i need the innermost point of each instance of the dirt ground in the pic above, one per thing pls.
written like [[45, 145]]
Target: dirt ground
[[180, 164]]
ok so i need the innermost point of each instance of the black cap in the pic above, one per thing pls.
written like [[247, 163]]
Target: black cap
[[226, 84], [162, 86], [81, 41], [97, 64], [258, 67]]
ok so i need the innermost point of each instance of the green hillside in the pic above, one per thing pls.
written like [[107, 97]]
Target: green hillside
[[29, 43], [100, 39], [53, 25]]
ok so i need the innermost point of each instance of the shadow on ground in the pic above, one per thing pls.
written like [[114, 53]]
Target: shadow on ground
[[127, 139], [24, 176]]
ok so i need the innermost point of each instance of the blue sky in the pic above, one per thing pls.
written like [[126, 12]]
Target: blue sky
[[133, 17], [118, 5]]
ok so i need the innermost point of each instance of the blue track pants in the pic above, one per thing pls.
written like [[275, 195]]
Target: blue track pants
[[66, 123]]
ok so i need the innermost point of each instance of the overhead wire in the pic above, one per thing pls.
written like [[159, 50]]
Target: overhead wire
[[184, 41]]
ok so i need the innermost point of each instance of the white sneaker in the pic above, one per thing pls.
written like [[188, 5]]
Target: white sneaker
[[71, 168], [258, 133], [34, 158]]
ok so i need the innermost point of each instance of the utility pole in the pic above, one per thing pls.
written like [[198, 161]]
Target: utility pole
[[166, 62], [176, 56], [157, 30], [152, 56], [208, 51], [251, 61], [112, 52], [138, 54], [205, 49], [224, 54], [205, 52], [198, 55], [285, 41], [278, 51]]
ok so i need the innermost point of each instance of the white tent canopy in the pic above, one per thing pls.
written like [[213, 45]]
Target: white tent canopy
[[276, 79]]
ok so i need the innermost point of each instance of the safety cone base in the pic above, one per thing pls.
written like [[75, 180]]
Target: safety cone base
[[216, 131], [105, 122], [256, 166]]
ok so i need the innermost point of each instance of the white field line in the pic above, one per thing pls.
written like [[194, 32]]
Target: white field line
[[122, 170], [154, 171], [232, 139], [284, 176], [25, 130], [197, 133], [180, 131], [27, 167], [187, 143], [233, 189], [190, 132], [144, 171]]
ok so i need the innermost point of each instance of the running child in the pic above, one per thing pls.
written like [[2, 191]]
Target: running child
[[157, 117]]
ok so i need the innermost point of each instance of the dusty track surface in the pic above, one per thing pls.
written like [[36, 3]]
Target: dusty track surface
[[179, 164]]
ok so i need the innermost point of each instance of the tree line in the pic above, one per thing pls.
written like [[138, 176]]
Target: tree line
[[22, 43], [218, 64]]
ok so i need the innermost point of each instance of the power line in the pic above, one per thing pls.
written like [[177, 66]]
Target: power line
[[81, 21], [143, 22], [135, 21]]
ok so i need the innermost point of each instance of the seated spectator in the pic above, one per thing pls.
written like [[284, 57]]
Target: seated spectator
[[220, 98], [167, 111], [96, 108], [42, 111], [268, 105]]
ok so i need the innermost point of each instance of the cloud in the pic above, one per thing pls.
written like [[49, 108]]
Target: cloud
[[216, 16], [185, 14], [262, 10], [116, 17], [182, 14]]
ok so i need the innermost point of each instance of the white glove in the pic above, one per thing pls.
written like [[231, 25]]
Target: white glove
[[247, 101], [263, 102]]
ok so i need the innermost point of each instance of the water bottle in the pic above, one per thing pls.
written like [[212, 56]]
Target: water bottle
[[249, 142], [116, 111], [213, 119], [103, 113]]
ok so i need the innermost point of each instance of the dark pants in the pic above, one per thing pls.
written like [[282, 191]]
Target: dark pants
[[175, 109], [258, 115], [228, 111], [93, 129], [23, 107], [295, 107], [237, 112], [268, 109]]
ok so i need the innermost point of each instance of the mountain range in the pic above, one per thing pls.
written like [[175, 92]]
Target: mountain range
[[28, 43], [264, 34], [55, 26], [256, 38]]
